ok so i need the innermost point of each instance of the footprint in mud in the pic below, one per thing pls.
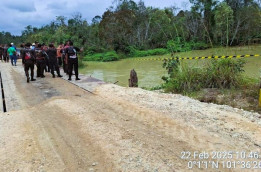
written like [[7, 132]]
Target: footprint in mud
[[47, 90]]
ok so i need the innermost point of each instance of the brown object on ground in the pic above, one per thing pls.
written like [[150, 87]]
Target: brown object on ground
[[53, 125], [133, 81]]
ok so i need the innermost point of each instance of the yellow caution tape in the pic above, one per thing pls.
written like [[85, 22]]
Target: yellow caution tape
[[195, 58]]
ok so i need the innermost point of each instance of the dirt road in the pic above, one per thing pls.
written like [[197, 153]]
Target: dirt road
[[53, 125]]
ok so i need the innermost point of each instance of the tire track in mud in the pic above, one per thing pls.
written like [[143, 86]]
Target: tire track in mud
[[131, 136], [173, 128], [64, 138]]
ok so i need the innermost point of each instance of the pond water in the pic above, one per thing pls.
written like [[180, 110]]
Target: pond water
[[150, 72]]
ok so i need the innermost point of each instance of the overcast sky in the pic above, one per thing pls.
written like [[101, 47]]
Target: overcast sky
[[15, 15]]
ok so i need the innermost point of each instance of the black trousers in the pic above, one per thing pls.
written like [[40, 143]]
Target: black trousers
[[73, 64], [6, 58], [65, 66], [47, 65], [29, 65], [54, 66], [40, 67], [59, 61]]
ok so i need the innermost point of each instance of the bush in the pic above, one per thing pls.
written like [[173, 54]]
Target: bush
[[133, 52], [178, 45], [185, 79], [200, 46], [88, 51], [157, 51], [225, 73], [110, 56], [222, 73], [104, 57], [94, 57]]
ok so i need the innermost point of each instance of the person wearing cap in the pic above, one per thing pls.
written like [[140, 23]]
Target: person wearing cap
[[15, 55], [12, 44], [12, 54], [33, 46]]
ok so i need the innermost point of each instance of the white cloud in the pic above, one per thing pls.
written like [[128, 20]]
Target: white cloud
[[15, 15], [19, 6]]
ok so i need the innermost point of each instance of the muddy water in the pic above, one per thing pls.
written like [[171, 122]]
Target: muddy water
[[150, 72]]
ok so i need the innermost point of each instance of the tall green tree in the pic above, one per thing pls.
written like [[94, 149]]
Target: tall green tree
[[224, 22], [206, 10]]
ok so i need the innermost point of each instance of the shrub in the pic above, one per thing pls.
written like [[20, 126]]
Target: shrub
[[200, 46], [105, 57], [157, 51], [184, 79], [174, 45], [110, 56], [94, 57], [222, 73], [130, 51], [178, 45], [133, 52]]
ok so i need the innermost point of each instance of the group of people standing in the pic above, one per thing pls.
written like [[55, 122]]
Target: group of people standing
[[8, 52], [46, 59]]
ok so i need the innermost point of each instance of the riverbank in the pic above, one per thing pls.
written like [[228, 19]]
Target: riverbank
[[246, 98], [151, 72]]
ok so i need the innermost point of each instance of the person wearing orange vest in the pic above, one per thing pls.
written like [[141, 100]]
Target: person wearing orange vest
[[59, 54]]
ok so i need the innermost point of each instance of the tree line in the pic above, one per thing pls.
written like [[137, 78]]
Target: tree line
[[127, 26]]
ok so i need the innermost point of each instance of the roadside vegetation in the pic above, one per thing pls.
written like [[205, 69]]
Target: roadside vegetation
[[220, 81], [223, 73]]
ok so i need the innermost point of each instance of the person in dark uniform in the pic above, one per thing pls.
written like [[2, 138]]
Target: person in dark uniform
[[28, 60], [40, 60], [22, 47], [1, 52], [65, 65], [52, 54], [5, 54], [72, 60], [47, 64]]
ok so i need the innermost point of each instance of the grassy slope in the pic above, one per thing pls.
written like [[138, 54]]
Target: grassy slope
[[245, 97]]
